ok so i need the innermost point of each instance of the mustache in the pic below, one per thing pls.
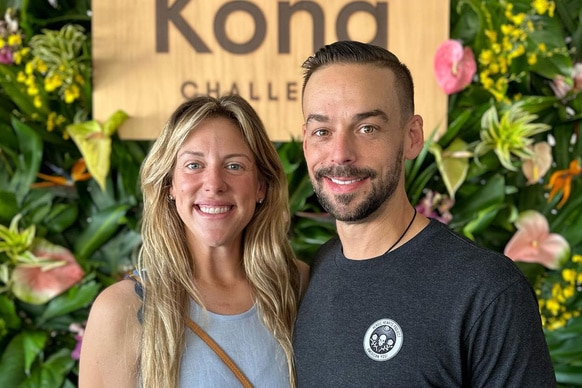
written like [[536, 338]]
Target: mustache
[[343, 172]]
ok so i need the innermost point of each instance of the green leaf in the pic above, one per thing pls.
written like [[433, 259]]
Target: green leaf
[[12, 362], [15, 90], [31, 151], [77, 297], [33, 343], [8, 206], [61, 216], [481, 221], [102, 226], [53, 372], [8, 313]]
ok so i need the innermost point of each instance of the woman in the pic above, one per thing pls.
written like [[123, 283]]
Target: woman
[[215, 250]]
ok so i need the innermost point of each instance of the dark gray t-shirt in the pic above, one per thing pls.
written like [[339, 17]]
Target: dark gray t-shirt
[[438, 311]]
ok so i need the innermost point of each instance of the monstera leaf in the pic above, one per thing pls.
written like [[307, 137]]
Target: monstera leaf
[[94, 142]]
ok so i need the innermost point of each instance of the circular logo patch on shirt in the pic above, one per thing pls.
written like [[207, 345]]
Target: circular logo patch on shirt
[[383, 340]]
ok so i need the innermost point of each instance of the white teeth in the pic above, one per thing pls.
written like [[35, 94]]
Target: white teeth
[[214, 210], [344, 182]]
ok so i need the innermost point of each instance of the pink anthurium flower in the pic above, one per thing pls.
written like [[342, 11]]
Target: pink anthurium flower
[[534, 243], [37, 284], [454, 66]]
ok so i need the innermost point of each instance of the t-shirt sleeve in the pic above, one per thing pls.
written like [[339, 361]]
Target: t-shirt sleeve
[[506, 346]]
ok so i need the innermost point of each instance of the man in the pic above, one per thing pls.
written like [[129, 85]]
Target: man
[[398, 300]]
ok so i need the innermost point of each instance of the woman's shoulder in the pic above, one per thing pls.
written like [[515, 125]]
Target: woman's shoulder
[[119, 299], [109, 352]]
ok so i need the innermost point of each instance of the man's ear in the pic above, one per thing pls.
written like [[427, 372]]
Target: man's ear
[[414, 137], [303, 131]]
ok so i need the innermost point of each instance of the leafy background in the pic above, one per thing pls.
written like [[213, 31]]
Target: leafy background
[[68, 181]]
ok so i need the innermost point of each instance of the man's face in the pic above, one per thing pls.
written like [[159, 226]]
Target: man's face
[[353, 139]]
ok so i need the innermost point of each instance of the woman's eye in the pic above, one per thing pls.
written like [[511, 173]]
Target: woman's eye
[[193, 166], [234, 166]]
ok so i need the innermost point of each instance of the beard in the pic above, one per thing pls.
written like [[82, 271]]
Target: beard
[[344, 207]]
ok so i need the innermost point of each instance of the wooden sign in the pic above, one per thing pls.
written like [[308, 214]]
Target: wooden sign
[[149, 56]]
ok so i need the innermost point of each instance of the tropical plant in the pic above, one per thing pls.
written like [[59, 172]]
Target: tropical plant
[[508, 163], [504, 172]]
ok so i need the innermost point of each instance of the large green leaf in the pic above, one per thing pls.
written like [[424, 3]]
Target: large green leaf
[[31, 150], [12, 362], [8, 313], [52, 372], [77, 297], [8, 206], [102, 226]]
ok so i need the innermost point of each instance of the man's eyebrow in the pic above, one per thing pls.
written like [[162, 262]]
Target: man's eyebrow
[[317, 117], [373, 113]]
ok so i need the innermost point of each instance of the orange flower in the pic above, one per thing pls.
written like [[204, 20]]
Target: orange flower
[[561, 180], [78, 173]]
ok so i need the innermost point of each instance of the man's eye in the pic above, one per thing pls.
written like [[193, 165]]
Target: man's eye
[[320, 132], [367, 129]]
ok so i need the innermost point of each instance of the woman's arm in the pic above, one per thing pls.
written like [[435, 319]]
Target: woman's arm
[[110, 348]]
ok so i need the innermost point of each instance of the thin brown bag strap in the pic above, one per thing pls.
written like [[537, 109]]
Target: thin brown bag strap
[[219, 352], [212, 344]]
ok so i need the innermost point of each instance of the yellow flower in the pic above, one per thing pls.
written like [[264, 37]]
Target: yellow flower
[[41, 66], [32, 90], [37, 101], [53, 82], [491, 35], [14, 40], [2, 42], [29, 68], [21, 77], [532, 59], [486, 57], [72, 93], [543, 6]]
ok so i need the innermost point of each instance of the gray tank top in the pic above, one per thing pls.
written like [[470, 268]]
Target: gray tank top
[[248, 343]]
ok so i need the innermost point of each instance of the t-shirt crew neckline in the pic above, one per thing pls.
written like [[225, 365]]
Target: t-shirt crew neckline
[[400, 252]]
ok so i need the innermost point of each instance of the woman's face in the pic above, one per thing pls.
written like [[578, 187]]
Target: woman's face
[[215, 184]]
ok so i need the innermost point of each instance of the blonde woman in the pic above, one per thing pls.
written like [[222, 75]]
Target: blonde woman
[[215, 251]]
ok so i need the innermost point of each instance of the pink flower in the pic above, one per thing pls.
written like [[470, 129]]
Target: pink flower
[[560, 86], [577, 76], [534, 243], [538, 165], [37, 284], [454, 66], [79, 331], [6, 57], [436, 205]]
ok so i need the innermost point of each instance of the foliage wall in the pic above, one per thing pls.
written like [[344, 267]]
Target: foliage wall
[[504, 172]]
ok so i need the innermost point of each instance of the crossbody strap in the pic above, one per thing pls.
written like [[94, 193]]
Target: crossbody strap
[[219, 352], [211, 343]]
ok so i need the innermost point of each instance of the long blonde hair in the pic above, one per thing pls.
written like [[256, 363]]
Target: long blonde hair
[[267, 254]]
